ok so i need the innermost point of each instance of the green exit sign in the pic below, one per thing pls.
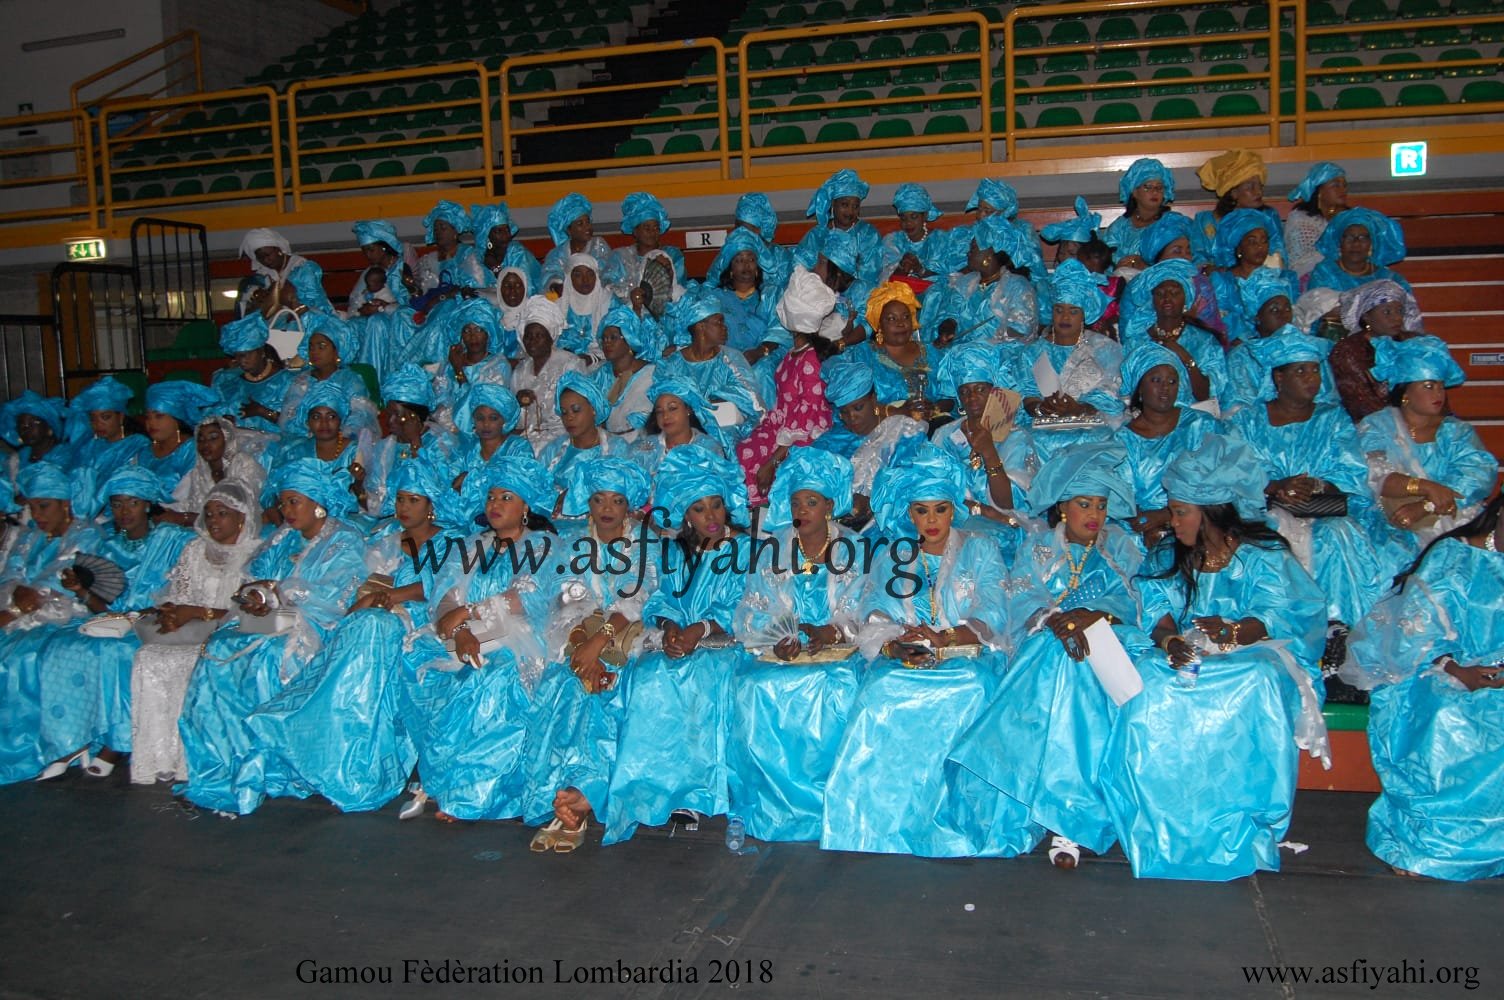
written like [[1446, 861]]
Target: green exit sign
[[86, 250], [1407, 159]]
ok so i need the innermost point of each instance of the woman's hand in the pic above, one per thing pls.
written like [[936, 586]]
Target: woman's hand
[[1443, 497], [1133, 261], [170, 618], [1068, 627], [26, 600], [1180, 652], [70, 582], [1476, 678], [586, 663], [254, 409], [683, 640], [457, 358], [1151, 522], [821, 636], [787, 649], [1405, 515], [467, 649], [1293, 489], [1222, 631]]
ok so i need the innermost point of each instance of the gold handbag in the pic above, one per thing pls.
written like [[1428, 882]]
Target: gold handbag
[[616, 651]]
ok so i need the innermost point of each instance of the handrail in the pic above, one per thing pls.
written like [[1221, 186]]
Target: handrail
[[82, 172], [194, 54]]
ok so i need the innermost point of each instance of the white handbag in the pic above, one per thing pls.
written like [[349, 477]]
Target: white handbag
[[112, 625]]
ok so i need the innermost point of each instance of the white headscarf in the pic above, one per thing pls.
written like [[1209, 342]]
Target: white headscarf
[[258, 238], [806, 302], [588, 307], [543, 311], [511, 316]]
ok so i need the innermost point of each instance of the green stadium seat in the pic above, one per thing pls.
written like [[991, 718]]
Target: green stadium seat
[[1070, 33], [1025, 65], [775, 87], [321, 104], [1061, 117], [1236, 106], [1401, 59], [427, 165], [458, 51], [969, 41], [1336, 62], [929, 43], [821, 83], [1000, 121], [224, 184], [1436, 35], [1067, 62], [308, 174], [1117, 29], [1420, 95], [838, 132], [1331, 43], [1358, 99], [464, 89], [852, 95], [1173, 55], [784, 135], [684, 142], [1116, 93], [885, 47], [635, 146], [867, 78], [1215, 21], [1287, 102], [1174, 109], [1118, 59], [796, 55], [757, 59], [946, 125], [1061, 96], [1172, 73], [423, 54], [868, 9], [917, 74], [346, 172], [802, 116], [1482, 91], [1027, 36], [1166, 25], [188, 187], [842, 50], [149, 190], [733, 140], [1116, 113], [1322, 13], [903, 109], [1385, 40], [1220, 51], [962, 71], [891, 128], [1368, 10], [789, 14], [1457, 55], [829, 10], [1229, 69], [558, 40]]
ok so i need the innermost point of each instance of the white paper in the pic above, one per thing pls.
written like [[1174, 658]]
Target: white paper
[[1110, 662], [1045, 376], [1209, 407], [726, 414]]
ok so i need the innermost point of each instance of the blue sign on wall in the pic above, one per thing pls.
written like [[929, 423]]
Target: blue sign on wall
[[1407, 159]]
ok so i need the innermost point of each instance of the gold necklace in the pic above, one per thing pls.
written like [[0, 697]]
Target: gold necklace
[[929, 582], [808, 564], [1075, 567]]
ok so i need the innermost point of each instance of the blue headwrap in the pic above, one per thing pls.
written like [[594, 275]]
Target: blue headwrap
[[8, 503], [697, 303], [640, 332], [446, 211], [245, 334], [997, 193], [841, 184], [1145, 357], [1232, 228], [409, 384], [484, 218], [1388, 238], [756, 208], [341, 334], [687, 475], [325, 486], [1145, 169], [185, 401], [966, 363], [1220, 470], [45, 481], [135, 481], [1288, 346], [109, 393], [328, 393], [911, 197], [519, 474], [1262, 285], [587, 387], [1162, 232], [822, 472], [847, 379], [997, 234], [425, 479], [638, 207], [917, 471], [494, 396], [1080, 228], [565, 211], [1140, 301], [689, 394], [480, 311], [737, 241], [377, 231], [840, 249], [1089, 469], [1318, 175], [1072, 284], [604, 474], [1419, 359]]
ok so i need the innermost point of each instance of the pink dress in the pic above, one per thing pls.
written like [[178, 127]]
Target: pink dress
[[801, 409]]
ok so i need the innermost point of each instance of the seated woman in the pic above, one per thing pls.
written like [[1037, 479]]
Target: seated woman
[[1041, 740], [513, 287], [254, 387], [676, 697], [598, 626], [1172, 237], [1306, 450], [931, 603], [1163, 426], [997, 474], [902, 363], [1146, 191], [1427, 470], [1237, 177], [200, 590], [414, 436], [323, 411], [535, 381], [582, 408], [486, 422], [630, 344], [86, 679], [743, 276], [284, 281], [643, 218], [1072, 233], [496, 237], [327, 347], [573, 232], [1242, 248], [36, 603], [722, 376], [469, 336], [335, 729], [1375, 311], [993, 196], [383, 329], [795, 685], [34, 425], [867, 430], [1268, 299], [453, 265], [1359, 245], [995, 291], [1320, 195], [1155, 312], [302, 580], [679, 417], [173, 410], [755, 214], [837, 207], [469, 713], [110, 443], [225, 452], [911, 250], [1431, 653], [1199, 771], [585, 300]]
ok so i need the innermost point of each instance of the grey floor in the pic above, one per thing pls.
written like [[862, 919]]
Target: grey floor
[[112, 891]]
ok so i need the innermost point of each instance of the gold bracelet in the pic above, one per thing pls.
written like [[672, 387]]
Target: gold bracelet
[[1412, 486], [607, 629]]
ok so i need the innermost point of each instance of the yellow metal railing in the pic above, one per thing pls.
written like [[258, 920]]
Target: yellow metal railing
[[182, 72], [30, 184]]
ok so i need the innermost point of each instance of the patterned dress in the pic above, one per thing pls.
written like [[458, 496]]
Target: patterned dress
[[802, 410]]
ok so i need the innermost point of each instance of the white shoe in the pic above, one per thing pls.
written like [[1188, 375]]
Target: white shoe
[[1064, 854], [58, 768], [414, 806]]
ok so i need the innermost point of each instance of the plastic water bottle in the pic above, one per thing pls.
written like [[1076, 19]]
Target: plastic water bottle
[[1188, 674], [736, 834]]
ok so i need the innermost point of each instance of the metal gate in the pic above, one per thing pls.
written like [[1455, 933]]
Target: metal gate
[[171, 261], [97, 321]]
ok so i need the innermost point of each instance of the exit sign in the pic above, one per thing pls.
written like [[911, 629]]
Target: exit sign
[[85, 250], [1407, 159]]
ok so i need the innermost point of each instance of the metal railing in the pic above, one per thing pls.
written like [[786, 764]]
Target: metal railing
[[76, 175]]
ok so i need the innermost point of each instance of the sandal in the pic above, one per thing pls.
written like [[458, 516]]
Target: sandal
[[566, 840], [60, 767], [543, 840], [414, 806], [1064, 854]]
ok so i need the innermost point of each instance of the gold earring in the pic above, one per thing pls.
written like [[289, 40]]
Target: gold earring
[[1404, 400], [879, 337]]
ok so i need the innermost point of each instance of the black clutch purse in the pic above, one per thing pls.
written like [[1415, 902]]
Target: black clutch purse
[[1319, 505]]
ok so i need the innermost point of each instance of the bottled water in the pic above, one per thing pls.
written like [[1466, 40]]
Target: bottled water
[[736, 834]]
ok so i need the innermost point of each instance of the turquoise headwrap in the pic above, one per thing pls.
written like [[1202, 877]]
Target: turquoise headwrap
[[565, 211], [841, 184], [1146, 356], [1140, 294], [446, 211], [244, 334], [377, 231], [997, 234], [822, 472], [109, 393], [409, 384], [756, 208], [426, 480], [480, 311], [1145, 169], [1288, 346], [697, 303], [604, 474], [135, 481], [1388, 238], [966, 363], [687, 475], [1092, 469], [341, 334], [736, 241], [1221, 470], [917, 471], [1262, 285], [329, 394], [638, 207], [687, 393], [1078, 229], [523, 476], [911, 197], [1419, 359], [329, 488], [45, 481], [840, 249], [1318, 175], [997, 193], [492, 395], [1072, 284], [1232, 228], [847, 379], [484, 218], [640, 332], [587, 387], [185, 401], [1162, 232]]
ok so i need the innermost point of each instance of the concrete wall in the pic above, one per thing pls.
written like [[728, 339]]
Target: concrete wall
[[239, 39]]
